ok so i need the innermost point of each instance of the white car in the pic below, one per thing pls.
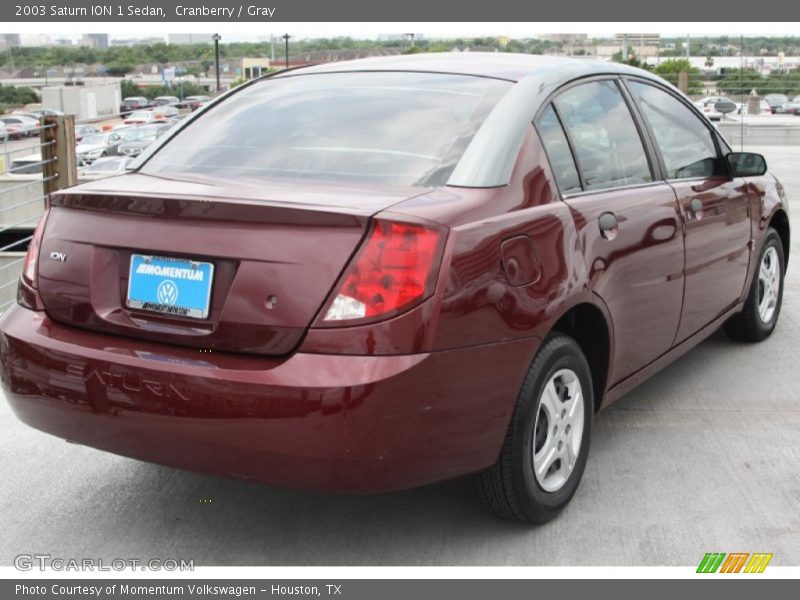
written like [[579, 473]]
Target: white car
[[21, 125], [166, 112], [3, 132], [98, 145], [166, 100], [710, 106], [26, 165], [138, 117], [105, 167]]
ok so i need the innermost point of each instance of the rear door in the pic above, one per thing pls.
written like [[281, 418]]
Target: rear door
[[715, 209], [627, 220]]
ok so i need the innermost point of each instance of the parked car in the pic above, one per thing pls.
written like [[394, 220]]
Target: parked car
[[715, 107], [3, 132], [793, 107], [776, 101], [132, 103], [450, 277], [140, 117], [138, 138], [30, 115], [105, 167], [195, 102], [19, 126], [81, 131], [166, 112], [166, 101], [764, 108], [38, 113], [98, 145], [29, 164]]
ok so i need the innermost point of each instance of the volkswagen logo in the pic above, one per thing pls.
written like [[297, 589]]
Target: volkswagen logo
[[167, 292]]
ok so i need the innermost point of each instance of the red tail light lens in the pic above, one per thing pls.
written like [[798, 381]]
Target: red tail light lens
[[394, 270], [30, 263]]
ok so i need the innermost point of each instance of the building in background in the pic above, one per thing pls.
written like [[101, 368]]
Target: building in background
[[190, 38], [573, 39], [35, 39], [9, 40], [641, 44], [148, 41], [87, 101], [254, 67], [94, 40]]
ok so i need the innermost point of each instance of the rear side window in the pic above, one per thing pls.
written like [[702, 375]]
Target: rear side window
[[558, 152], [604, 136], [686, 144], [389, 128]]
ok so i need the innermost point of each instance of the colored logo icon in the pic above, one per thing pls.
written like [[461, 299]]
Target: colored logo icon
[[735, 562]]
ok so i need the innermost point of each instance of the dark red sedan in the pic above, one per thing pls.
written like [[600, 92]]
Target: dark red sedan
[[374, 275]]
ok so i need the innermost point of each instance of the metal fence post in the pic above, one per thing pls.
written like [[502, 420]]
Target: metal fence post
[[683, 81], [58, 143]]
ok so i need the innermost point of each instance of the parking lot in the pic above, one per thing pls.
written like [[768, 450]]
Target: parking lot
[[703, 457]]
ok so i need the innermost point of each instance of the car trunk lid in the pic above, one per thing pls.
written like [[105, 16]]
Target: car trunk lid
[[276, 250]]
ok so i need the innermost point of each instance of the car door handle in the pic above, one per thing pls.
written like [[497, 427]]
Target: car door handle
[[609, 226], [696, 208]]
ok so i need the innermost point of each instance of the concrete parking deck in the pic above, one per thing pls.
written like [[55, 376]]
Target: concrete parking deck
[[703, 457]]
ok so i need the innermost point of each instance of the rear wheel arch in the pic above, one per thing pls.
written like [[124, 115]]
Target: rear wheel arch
[[587, 324]]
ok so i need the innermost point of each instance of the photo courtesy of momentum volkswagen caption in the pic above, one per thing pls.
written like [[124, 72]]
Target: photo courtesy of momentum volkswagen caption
[[373, 275]]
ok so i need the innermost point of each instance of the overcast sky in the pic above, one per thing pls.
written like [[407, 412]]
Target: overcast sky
[[252, 31]]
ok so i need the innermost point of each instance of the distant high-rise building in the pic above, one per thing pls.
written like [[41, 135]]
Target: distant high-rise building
[[638, 39], [190, 38], [35, 39], [9, 40], [94, 40], [149, 41]]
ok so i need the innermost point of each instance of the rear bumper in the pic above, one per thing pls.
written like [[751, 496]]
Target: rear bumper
[[325, 422]]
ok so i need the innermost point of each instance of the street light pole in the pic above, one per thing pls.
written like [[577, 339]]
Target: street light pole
[[217, 37], [286, 37]]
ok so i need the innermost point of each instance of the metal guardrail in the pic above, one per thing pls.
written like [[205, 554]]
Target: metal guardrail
[[22, 198]]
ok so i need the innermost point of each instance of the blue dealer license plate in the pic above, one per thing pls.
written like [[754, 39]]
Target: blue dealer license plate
[[171, 286]]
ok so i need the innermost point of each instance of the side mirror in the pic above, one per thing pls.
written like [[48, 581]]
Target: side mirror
[[746, 164]]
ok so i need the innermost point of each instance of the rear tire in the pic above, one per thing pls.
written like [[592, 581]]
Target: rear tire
[[763, 304], [547, 443]]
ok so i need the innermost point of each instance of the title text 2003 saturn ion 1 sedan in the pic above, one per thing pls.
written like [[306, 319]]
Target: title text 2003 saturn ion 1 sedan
[[374, 275]]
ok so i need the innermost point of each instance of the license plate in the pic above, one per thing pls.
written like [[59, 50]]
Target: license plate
[[170, 286]]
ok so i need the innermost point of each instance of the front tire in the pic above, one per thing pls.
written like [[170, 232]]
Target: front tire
[[763, 304], [547, 443]]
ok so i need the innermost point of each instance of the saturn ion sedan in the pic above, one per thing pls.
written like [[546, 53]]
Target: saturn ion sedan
[[374, 275]]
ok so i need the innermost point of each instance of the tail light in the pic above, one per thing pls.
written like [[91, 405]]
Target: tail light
[[394, 270], [30, 263]]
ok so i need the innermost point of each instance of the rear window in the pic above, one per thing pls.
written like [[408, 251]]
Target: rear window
[[397, 128]]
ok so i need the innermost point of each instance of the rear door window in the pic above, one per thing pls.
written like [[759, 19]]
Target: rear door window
[[558, 151], [604, 136]]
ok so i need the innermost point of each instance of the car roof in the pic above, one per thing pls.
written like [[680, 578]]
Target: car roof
[[500, 65]]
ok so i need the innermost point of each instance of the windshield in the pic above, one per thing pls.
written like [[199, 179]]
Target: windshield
[[399, 128]]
